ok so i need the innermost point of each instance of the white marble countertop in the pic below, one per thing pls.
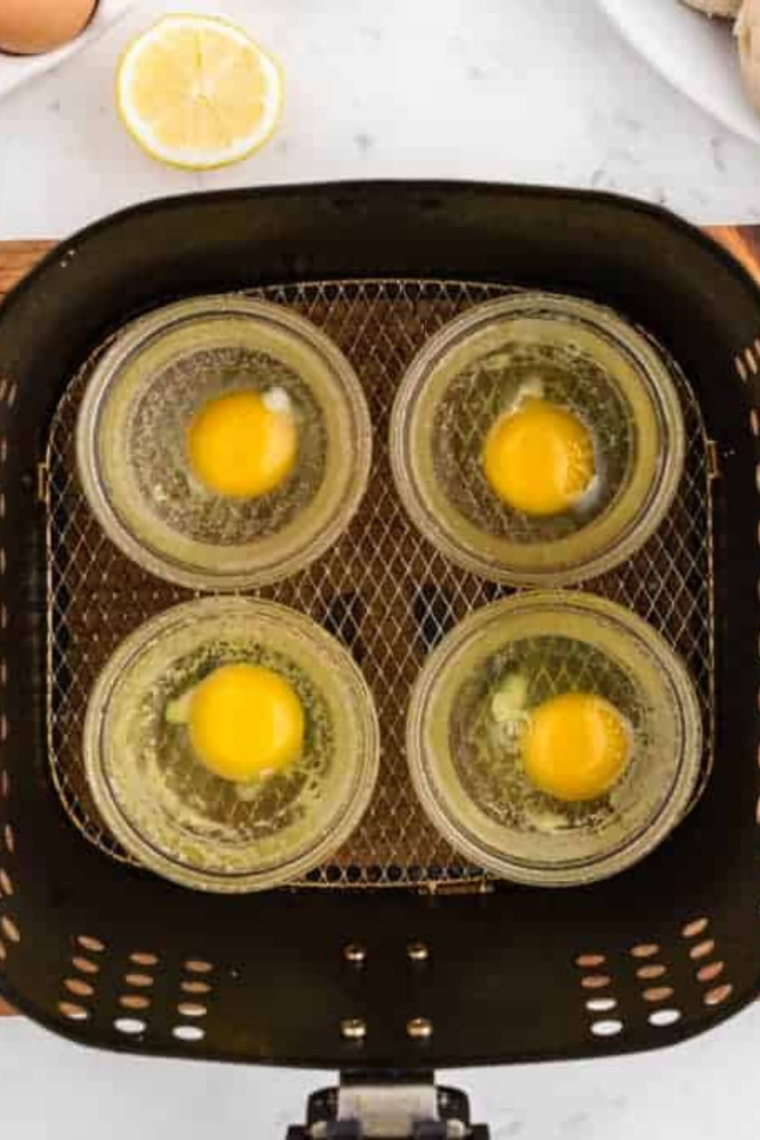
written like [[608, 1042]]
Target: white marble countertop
[[486, 89], [697, 1091]]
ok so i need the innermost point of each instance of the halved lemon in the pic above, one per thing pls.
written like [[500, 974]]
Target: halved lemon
[[198, 92]]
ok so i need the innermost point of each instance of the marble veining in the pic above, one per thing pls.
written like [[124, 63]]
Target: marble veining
[[496, 89]]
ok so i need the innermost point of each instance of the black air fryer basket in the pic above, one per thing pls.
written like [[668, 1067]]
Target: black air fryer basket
[[396, 958]]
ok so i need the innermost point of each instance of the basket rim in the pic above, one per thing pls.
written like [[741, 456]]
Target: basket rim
[[45, 277]]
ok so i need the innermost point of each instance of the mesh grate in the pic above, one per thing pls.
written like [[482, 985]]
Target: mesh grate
[[383, 590]]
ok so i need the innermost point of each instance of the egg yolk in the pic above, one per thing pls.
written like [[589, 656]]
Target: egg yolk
[[576, 746], [246, 721], [539, 459], [243, 444]]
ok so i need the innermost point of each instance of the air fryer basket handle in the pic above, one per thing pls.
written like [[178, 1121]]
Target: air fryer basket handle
[[388, 1106]]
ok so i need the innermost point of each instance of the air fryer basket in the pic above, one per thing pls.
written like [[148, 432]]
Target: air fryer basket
[[476, 971]]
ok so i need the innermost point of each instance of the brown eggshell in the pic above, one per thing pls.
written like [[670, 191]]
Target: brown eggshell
[[727, 8], [748, 34], [29, 27]]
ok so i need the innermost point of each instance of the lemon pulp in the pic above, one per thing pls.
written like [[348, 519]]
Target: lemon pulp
[[243, 444], [246, 721], [197, 92], [539, 459], [576, 746]]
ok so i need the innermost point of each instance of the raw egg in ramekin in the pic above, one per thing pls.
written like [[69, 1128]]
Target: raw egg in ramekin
[[231, 744], [554, 738], [223, 442], [538, 439]]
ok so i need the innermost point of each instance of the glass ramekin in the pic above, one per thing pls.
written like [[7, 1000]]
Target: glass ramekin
[[471, 783], [583, 357], [132, 442], [177, 818]]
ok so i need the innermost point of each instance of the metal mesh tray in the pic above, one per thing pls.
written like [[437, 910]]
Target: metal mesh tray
[[383, 590]]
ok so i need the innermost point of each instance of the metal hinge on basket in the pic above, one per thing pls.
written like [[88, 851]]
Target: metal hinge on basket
[[388, 1106]]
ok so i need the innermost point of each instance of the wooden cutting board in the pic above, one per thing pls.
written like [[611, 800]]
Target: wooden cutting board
[[18, 257], [742, 241]]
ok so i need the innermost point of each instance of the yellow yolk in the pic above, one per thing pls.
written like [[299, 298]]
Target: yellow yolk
[[246, 721], [576, 746], [539, 459], [241, 446]]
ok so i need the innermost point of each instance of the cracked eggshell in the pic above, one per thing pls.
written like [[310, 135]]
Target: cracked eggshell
[[748, 34], [726, 8]]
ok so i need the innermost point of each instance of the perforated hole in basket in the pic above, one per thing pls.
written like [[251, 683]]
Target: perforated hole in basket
[[139, 981], [718, 994], [79, 984], [645, 950], [138, 1002], [193, 1007], [195, 987], [143, 958], [663, 1018], [650, 973], [658, 993], [78, 987], [131, 1026], [607, 1027], [10, 929], [198, 966], [599, 999], [383, 589], [188, 1033], [92, 945], [73, 1011], [134, 1001], [710, 972], [663, 998], [708, 964], [85, 965], [653, 977]]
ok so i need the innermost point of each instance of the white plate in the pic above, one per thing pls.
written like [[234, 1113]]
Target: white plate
[[697, 55], [17, 69]]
